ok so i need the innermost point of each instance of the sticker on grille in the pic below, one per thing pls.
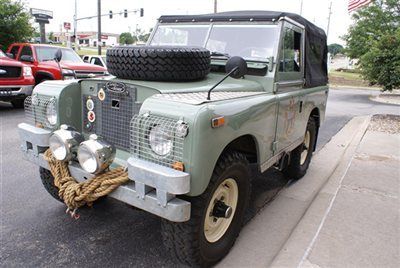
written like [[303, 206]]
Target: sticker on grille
[[35, 110], [166, 133], [113, 116]]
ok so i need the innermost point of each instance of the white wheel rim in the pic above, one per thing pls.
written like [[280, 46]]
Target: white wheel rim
[[306, 146], [215, 228]]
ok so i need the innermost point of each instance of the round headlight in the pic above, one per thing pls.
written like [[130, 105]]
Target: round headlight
[[64, 142], [95, 154], [160, 140], [51, 113]]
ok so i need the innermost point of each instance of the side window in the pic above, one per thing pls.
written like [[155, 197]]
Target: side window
[[291, 58], [85, 58], [14, 51], [26, 51]]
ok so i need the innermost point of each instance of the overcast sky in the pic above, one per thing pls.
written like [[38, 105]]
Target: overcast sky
[[314, 10]]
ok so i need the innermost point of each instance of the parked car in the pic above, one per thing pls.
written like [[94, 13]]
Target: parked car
[[189, 119], [41, 59], [16, 81], [96, 60]]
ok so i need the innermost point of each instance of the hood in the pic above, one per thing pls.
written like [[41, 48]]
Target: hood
[[230, 84], [76, 66], [5, 61]]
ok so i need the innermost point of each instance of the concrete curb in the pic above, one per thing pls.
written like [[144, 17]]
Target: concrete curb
[[295, 251], [266, 239]]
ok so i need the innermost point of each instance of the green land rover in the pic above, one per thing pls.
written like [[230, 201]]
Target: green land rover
[[185, 117]]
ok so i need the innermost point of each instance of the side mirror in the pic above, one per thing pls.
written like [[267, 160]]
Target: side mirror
[[10, 55], [26, 58], [236, 67], [58, 55]]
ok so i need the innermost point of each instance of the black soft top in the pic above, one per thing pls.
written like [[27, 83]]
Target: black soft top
[[316, 73]]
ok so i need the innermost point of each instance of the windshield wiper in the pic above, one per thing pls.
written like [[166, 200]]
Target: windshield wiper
[[220, 54]]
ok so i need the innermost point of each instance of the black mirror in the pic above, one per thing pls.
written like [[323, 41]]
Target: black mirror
[[236, 67], [10, 55], [58, 55], [26, 58]]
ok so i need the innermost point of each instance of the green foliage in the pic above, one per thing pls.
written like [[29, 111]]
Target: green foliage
[[51, 36], [335, 49], [374, 40], [126, 39], [14, 23], [381, 64]]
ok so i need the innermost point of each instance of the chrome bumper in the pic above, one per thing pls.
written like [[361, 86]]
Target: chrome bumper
[[14, 91], [152, 188]]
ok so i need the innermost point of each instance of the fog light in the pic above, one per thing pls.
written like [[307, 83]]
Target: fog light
[[95, 154], [64, 142]]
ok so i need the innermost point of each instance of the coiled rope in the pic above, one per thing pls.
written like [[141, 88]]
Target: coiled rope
[[76, 194]]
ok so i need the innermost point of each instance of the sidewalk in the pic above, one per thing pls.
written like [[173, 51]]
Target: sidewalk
[[354, 220]]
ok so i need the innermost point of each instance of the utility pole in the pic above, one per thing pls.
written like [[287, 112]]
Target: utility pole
[[329, 20], [301, 8], [215, 6], [75, 25], [99, 27]]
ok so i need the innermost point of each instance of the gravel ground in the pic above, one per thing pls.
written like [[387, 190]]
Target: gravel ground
[[388, 123]]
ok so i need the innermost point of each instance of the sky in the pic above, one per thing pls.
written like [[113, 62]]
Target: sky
[[316, 11]]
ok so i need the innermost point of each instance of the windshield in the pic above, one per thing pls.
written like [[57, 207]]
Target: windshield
[[48, 53], [2, 55], [253, 42]]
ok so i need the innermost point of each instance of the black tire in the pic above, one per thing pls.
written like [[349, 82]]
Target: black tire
[[157, 63], [48, 183], [18, 103], [187, 242], [295, 170]]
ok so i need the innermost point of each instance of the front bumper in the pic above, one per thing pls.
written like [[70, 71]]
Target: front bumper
[[152, 187], [17, 91]]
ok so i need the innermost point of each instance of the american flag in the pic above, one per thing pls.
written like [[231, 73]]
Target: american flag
[[355, 4]]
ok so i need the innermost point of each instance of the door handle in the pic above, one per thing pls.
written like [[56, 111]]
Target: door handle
[[301, 106]]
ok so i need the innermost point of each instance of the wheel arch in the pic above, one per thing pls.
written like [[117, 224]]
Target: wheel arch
[[40, 75], [245, 144], [315, 114]]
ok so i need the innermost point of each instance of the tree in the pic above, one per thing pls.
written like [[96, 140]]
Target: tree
[[335, 49], [126, 39], [14, 23], [374, 40], [51, 36]]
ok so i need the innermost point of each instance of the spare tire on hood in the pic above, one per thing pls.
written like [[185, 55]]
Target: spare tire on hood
[[158, 63]]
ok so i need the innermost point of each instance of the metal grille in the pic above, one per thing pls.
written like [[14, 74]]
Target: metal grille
[[10, 72], [113, 116], [141, 125], [35, 110], [88, 74]]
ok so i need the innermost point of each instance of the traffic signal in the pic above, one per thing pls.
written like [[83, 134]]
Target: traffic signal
[[125, 13], [111, 14], [141, 12]]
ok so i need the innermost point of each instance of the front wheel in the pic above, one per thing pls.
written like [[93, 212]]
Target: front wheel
[[48, 183], [300, 157], [216, 215], [18, 103]]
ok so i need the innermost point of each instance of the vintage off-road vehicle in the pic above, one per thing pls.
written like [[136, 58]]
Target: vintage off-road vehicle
[[188, 115]]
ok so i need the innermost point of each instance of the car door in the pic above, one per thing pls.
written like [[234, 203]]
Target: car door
[[27, 51], [289, 85]]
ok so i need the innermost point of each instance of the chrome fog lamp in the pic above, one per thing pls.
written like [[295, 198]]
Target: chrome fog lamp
[[64, 142], [95, 154]]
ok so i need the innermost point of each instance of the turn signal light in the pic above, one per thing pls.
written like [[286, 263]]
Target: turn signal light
[[218, 122], [178, 166]]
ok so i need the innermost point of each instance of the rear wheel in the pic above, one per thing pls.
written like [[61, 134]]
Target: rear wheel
[[216, 216], [300, 157]]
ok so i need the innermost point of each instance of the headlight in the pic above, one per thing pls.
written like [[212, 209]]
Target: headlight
[[64, 142], [95, 154], [51, 112], [27, 71], [160, 140], [68, 74]]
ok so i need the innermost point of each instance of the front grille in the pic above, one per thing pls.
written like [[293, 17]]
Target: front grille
[[10, 72], [140, 131], [113, 115], [88, 74], [35, 110]]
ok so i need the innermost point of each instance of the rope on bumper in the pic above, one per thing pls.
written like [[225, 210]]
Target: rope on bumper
[[76, 194]]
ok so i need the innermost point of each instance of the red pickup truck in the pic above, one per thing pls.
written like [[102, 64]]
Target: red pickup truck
[[16, 81], [41, 59]]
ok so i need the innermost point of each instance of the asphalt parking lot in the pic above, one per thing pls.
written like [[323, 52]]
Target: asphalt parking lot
[[35, 231]]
